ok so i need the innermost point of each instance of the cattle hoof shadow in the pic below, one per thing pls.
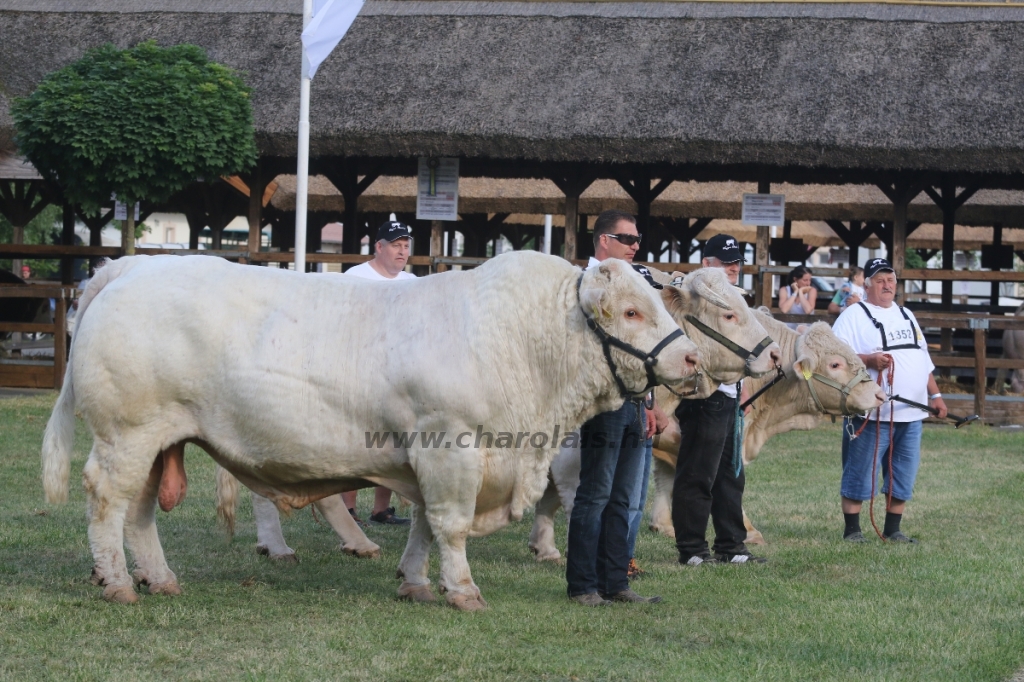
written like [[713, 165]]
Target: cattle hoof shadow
[[120, 595], [420, 594], [362, 552], [96, 579], [666, 531]]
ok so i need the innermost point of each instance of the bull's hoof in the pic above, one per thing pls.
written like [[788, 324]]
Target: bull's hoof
[[465, 602], [547, 555], [370, 552], [120, 594], [754, 537], [668, 531], [421, 594], [95, 578], [263, 550], [169, 589]]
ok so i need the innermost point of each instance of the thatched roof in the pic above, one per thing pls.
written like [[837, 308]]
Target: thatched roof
[[842, 86], [720, 200]]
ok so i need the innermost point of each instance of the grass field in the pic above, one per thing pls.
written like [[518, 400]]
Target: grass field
[[950, 608]]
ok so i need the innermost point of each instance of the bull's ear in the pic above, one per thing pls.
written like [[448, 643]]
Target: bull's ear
[[804, 366], [765, 309], [802, 328], [674, 300], [608, 269], [594, 302]]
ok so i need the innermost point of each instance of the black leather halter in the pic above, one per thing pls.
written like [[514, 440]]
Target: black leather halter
[[737, 349], [607, 341]]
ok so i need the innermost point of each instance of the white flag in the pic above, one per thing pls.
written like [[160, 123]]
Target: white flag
[[328, 26]]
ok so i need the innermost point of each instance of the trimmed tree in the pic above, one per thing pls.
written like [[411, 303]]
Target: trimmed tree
[[142, 123]]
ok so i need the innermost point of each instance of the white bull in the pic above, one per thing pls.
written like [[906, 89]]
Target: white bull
[[705, 294], [283, 378]]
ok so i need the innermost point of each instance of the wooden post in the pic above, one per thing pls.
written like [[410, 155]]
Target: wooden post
[[572, 219], [60, 339], [763, 281], [997, 241], [18, 237], [437, 243], [255, 209], [980, 380], [899, 245]]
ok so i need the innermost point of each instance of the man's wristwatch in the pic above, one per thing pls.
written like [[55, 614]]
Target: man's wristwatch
[[934, 396]]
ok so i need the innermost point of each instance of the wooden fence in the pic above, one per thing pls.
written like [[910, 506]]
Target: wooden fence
[[979, 324]]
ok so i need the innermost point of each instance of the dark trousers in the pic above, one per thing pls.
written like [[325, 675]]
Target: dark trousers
[[706, 483], [612, 448]]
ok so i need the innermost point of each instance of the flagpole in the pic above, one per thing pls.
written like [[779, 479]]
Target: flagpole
[[302, 180]]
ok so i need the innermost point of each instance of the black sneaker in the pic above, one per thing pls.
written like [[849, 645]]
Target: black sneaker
[[899, 538], [857, 537], [704, 559], [388, 517], [745, 558]]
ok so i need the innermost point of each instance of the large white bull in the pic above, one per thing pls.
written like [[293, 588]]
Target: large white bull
[[715, 317], [283, 378]]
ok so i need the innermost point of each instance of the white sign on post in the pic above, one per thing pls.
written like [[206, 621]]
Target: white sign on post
[[121, 211], [437, 195], [763, 209]]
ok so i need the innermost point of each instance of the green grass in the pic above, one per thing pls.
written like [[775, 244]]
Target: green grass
[[950, 608]]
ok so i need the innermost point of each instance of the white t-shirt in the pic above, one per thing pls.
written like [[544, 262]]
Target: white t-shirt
[[913, 365], [366, 271]]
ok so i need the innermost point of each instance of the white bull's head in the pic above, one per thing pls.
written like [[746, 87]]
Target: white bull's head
[[819, 351], [625, 307], [721, 313]]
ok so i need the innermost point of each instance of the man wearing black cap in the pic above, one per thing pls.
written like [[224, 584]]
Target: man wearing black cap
[[709, 477], [391, 253], [889, 340]]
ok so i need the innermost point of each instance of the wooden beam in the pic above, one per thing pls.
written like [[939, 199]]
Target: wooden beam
[[980, 380], [763, 281], [437, 243]]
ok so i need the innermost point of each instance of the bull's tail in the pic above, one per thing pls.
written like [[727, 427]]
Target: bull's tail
[[58, 441], [227, 500]]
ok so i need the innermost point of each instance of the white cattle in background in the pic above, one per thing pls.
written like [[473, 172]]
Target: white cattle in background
[[282, 379]]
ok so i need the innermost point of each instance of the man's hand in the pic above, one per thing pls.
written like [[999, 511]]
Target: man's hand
[[660, 420], [876, 361], [852, 299], [940, 405], [651, 424]]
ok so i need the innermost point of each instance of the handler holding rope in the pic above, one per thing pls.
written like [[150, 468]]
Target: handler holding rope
[[888, 339]]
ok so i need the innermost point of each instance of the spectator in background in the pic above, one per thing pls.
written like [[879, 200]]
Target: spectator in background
[[850, 293], [391, 253], [799, 296]]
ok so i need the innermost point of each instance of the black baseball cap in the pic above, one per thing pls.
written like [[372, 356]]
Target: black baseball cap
[[877, 265], [390, 230], [725, 248], [646, 274]]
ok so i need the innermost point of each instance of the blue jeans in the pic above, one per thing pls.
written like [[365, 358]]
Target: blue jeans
[[857, 458], [612, 447], [638, 499]]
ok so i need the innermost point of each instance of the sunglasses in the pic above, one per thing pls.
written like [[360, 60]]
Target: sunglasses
[[626, 239]]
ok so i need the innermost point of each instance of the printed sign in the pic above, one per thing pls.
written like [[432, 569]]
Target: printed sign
[[764, 209], [121, 210], [437, 196]]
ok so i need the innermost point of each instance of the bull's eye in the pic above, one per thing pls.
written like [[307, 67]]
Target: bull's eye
[[835, 365], [631, 313], [730, 316]]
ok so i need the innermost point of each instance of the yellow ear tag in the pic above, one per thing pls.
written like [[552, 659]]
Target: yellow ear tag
[[807, 374]]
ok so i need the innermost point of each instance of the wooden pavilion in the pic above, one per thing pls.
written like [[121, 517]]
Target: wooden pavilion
[[920, 103]]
